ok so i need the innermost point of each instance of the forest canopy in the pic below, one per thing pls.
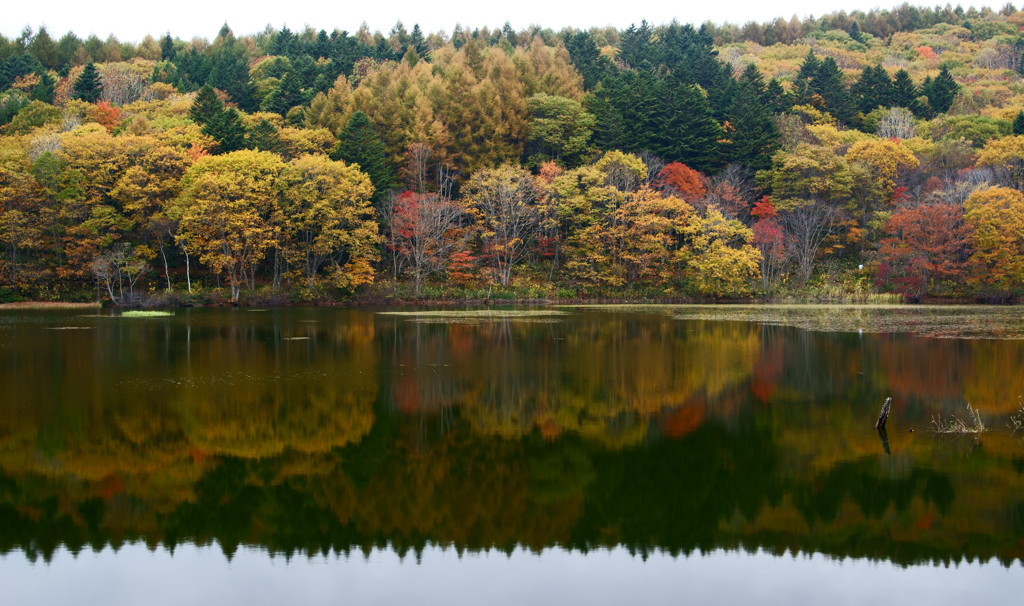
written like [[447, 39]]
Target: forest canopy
[[864, 153]]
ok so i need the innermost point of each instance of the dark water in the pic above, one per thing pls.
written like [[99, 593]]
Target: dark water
[[616, 455]]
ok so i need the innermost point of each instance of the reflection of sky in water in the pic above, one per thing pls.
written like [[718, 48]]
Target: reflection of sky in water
[[194, 575]]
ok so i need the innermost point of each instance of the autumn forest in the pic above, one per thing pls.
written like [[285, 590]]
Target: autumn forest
[[855, 156]]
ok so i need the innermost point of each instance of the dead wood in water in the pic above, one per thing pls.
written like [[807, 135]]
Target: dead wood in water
[[884, 415]]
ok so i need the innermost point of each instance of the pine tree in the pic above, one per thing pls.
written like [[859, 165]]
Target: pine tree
[[227, 129], [359, 144], [206, 106], [829, 85], [88, 86], [905, 94], [263, 137], [45, 89], [941, 91], [1018, 124], [753, 137], [167, 51], [802, 88]]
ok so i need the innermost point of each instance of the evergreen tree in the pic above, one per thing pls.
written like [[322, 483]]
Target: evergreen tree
[[587, 58], [829, 85], [206, 106], [635, 46], [777, 100], [167, 51], [872, 89], [88, 86], [230, 73], [227, 130], [1018, 124], [753, 136], [45, 89], [905, 94], [802, 87], [855, 33], [359, 144], [263, 136], [681, 128], [286, 96], [418, 42], [941, 91]]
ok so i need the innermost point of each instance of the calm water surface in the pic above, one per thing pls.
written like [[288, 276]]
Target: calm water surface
[[611, 454]]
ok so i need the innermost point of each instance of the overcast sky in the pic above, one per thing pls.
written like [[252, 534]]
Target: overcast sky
[[131, 20]]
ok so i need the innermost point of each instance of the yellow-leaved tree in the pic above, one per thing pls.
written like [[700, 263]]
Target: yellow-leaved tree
[[328, 220], [719, 257], [996, 218], [228, 212]]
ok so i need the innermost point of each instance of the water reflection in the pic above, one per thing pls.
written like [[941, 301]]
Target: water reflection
[[310, 431]]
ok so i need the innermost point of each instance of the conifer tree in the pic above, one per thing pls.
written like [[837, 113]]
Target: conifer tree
[[359, 144], [941, 91], [227, 129], [206, 106], [88, 86], [753, 136], [45, 89], [1018, 124], [904, 93]]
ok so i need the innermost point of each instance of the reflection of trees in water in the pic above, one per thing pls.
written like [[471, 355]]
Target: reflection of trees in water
[[603, 377], [495, 435]]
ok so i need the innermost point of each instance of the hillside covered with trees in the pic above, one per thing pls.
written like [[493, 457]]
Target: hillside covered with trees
[[856, 154]]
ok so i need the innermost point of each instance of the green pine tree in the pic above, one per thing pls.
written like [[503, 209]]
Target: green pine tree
[[753, 138], [1018, 124], [941, 91], [45, 89], [263, 136], [88, 86], [206, 106], [359, 144], [227, 129]]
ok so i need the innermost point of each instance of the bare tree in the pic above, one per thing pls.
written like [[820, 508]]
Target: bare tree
[[507, 200], [808, 226], [897, 123], [119, 267]]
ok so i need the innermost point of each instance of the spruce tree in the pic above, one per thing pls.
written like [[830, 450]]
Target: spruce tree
[[802, 88], [88, 86], [227, 129], [287, 95], [754, 137], [45, 89], [1018, 124], [359, 144], [941, 91], [905, 94], [263, 136], [167, 51], [829, 85], [206, 106]]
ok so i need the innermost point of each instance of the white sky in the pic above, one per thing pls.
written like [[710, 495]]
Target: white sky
[[131, 20]]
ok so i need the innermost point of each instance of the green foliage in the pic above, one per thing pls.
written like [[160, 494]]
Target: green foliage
[[88, 87], [359, 144]]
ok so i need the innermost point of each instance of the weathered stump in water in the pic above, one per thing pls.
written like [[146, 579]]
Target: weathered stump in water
[[884, 415]]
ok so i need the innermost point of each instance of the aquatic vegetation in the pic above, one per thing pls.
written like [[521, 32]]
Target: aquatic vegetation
[[478, 315], [955, 425], [1017, 418], [941, 321], [138, 313]]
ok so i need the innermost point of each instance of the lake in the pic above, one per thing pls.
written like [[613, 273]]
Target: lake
[[602, 453]]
